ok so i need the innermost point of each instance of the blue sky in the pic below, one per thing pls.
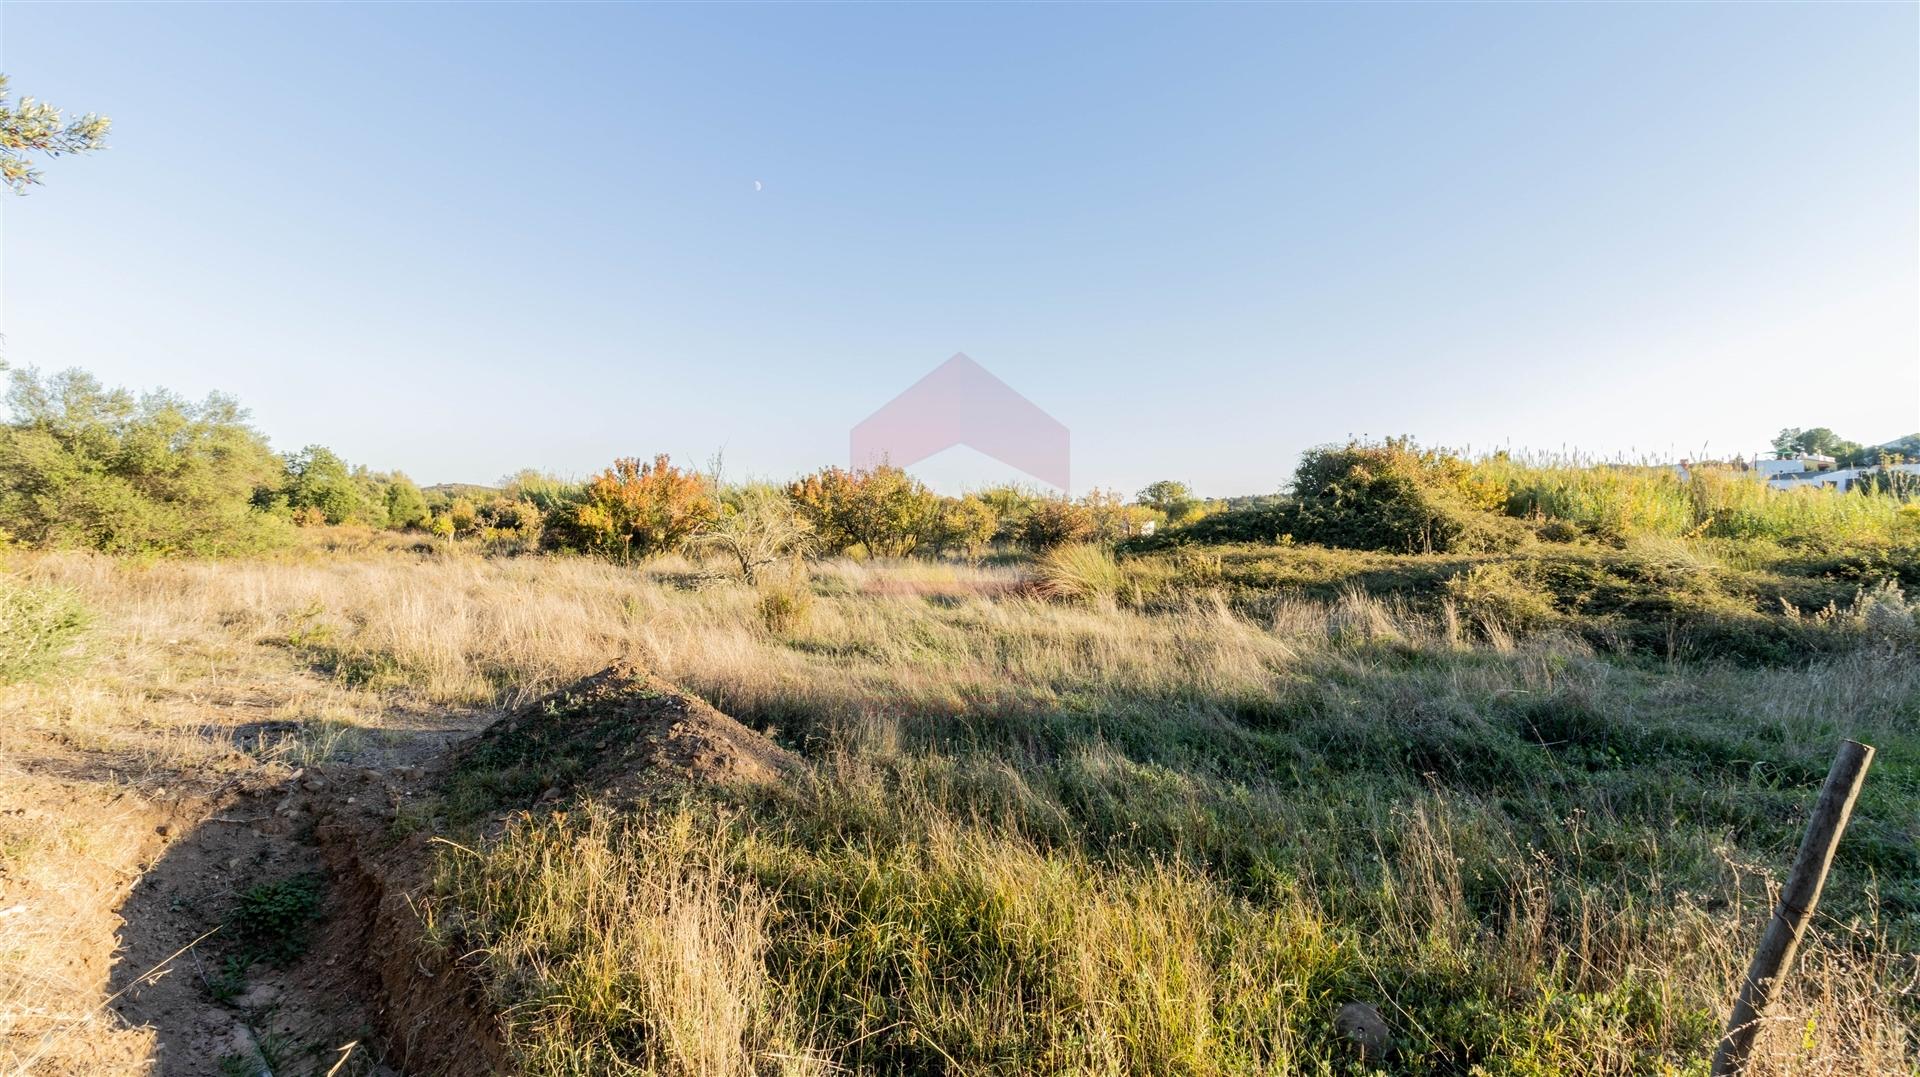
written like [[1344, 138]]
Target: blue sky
[[461, 240]]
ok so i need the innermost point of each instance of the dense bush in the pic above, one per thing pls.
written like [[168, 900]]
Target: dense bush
[[635, 509], [1500, 597], [882, 510], [83, 465], [1057, 522], [965, 525], [38, 625], [1397, 497]]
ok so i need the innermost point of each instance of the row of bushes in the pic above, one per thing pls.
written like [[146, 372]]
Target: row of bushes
[[82, 465], [638, 508]]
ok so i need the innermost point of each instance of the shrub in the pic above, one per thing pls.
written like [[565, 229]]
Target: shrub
[[1261, 523], [1397, 497], [1057, 522], [1011, 506], [1497, 597], [756, 527], [966, 524], [38, 625], [635, 509], [1110, 518], [882, 510]]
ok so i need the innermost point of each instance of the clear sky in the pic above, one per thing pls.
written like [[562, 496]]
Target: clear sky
[[461, 240]]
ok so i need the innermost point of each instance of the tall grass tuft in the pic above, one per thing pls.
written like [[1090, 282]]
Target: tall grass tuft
[[1081, 571]]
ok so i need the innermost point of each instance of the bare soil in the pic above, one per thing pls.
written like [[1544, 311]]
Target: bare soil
[[371, 994], [210, 1009]]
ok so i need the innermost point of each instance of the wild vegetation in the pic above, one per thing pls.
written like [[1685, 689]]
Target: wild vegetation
[[1513, 752]]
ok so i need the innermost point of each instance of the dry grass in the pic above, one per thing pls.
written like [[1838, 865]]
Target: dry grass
[[1065, 838], [68, 854]]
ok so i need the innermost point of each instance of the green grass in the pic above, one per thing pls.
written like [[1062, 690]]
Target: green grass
[[1670, 598]]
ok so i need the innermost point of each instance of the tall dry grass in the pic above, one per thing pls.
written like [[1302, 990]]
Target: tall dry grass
[[1050, 837]]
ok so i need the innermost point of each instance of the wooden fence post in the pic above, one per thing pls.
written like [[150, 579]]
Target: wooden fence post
[[1797, 901]]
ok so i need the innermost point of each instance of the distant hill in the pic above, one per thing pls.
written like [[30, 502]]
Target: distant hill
[[1908, 447]]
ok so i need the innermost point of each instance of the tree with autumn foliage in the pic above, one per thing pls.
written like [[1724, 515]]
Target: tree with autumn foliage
[[1057, 521], [883, 510], [636, 509]]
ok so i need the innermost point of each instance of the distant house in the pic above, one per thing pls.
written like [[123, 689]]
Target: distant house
[[1811, 470]]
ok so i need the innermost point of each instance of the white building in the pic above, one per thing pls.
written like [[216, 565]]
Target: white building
[[1804, 469]]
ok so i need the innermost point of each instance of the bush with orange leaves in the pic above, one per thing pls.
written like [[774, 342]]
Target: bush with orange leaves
[[882, 509], [635, 509]]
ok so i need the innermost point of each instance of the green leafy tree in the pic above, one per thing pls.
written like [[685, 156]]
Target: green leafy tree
[[28, 127], [320, 485], [1821, 441], [84, 465], [406, 505], [1173, 500]]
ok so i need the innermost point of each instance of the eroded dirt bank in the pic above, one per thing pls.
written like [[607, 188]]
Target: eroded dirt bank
[[290, 921]]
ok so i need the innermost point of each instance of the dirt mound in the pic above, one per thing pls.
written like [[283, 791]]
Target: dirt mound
[[621, 733]]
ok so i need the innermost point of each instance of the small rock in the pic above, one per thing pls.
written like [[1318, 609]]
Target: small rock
[[1363, 1026], [257, 996], [313, 785], [350, 800], [163, 830], [552, 793]]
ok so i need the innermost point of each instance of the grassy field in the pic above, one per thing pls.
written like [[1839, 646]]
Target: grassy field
[[1166, 822]]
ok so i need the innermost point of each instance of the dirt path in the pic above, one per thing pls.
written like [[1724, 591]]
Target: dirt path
[[219, 1007]]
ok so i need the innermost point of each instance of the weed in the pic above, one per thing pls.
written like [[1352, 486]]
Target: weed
[[273, 922]]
